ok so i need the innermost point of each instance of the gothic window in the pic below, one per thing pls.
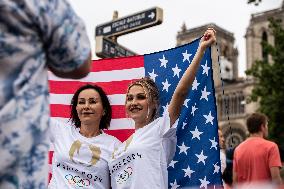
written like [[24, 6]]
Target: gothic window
[[232, 105], [222, 107], [242, 103], [264, 39], [219, 106], [225, 52], [237, 103], [225, 107]]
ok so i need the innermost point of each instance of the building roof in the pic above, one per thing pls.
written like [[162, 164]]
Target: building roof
[[200, 29]]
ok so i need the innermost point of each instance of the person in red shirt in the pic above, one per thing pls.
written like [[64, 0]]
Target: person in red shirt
[[257, 160]]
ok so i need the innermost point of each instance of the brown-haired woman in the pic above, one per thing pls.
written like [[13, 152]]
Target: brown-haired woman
[[82, 151]]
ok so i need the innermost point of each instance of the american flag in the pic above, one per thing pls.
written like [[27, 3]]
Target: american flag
[[196, 162]]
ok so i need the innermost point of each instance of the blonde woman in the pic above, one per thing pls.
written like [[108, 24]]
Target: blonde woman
[[141, 161]]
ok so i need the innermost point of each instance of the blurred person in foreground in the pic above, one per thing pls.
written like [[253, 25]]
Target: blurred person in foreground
[[257, 160], [34, 36]]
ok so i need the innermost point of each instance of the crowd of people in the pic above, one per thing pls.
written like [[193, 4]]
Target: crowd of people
[[41, 35]]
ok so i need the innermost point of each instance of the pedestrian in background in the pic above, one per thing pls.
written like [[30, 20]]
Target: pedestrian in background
[[257, 160], [34, 36]]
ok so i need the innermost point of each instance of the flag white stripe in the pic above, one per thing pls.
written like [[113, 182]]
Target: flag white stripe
[[123, 123], [50, 167], [106, 76], [51, 147], [116, 99]]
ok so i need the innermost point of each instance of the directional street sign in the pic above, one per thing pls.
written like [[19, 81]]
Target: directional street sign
[[107, 33], [137, 21], [106, 48]]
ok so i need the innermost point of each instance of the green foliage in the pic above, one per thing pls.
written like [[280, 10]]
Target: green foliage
[[269, 88]]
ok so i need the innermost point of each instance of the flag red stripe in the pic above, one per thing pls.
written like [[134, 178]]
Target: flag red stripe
[[49, 177], [50, 155], [118, 63], [60, 110], [121, 134], [70, 87]]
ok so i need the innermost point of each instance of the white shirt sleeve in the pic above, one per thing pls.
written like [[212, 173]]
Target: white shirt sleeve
[[55, 128], [166, 131], [168, 135]]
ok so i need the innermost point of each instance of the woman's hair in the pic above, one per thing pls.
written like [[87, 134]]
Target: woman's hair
[[152, 93], [105, 120]]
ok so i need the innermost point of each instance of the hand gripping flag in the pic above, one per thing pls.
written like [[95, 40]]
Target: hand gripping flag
[[197, 159]]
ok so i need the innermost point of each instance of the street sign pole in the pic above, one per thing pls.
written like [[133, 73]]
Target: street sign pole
[[106, 48]]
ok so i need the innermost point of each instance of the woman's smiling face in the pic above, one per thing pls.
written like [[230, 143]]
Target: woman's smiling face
[[137, 105], [89, 107]]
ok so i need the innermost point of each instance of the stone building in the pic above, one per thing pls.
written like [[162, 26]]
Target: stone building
[[233, 107], [257, 31]]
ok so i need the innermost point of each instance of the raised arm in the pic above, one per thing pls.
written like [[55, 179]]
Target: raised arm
[[187, 79]]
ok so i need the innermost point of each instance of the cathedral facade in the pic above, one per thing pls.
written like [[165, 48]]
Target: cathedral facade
[[231, 91]]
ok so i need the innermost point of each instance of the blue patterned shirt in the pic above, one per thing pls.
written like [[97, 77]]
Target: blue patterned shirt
[[34, 35]]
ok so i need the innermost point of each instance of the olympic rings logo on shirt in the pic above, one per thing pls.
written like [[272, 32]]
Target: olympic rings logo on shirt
[[124, 175], [77, 180]]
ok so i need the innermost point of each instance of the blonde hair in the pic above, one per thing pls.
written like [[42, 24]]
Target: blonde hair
[[152, 93]]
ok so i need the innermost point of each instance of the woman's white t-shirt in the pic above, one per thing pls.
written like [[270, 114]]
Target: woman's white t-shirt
[[141, 161], [80, 162]]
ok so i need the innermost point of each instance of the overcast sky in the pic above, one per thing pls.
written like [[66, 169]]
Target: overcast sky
[[232, 15]]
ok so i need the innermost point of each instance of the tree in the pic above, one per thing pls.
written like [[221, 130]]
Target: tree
[[269, 87], [256, 2]]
